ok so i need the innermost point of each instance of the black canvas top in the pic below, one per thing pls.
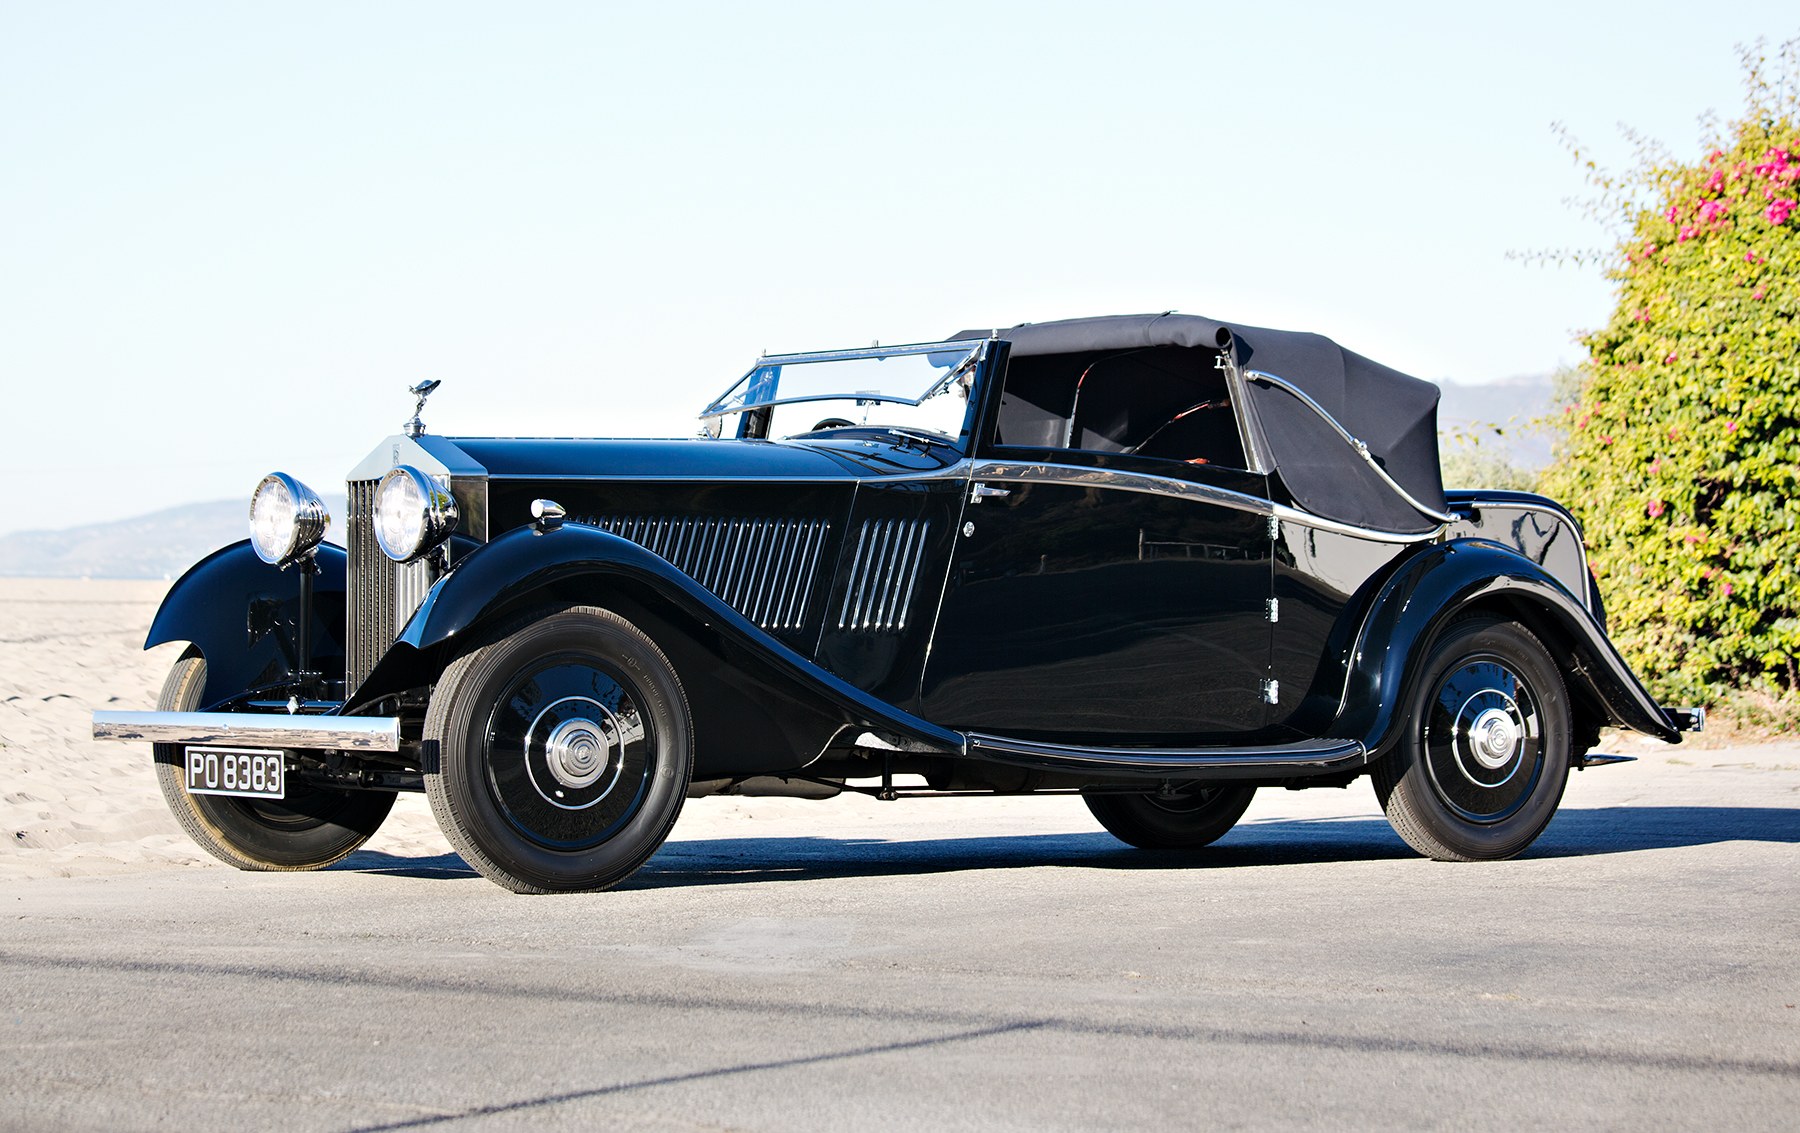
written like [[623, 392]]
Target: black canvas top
[[1394, 414]]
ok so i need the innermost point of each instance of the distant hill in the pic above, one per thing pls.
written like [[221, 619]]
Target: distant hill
[[162, 544], [1465, 405]]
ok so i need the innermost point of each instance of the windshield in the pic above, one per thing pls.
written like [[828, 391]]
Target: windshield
[[923, 387]]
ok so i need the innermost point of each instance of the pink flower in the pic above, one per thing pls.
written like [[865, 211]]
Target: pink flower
[[1691, 539], [1673, 214], [1778, 211], [1688, 231], [1671, 359], [1606, 438], [1775, 163], [1655, 509], [1582, 424], [1752, 258], [1731, 426], [1758, 293], [1711, 210], [1726, 589], [1655, 467], [1716, 181]]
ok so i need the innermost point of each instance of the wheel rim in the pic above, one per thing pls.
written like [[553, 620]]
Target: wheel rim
[[1484, 740], [569, 754]]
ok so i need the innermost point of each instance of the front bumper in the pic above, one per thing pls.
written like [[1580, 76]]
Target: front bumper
[[339, 733]]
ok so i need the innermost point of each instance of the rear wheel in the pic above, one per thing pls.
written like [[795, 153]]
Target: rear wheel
[[1184, 820], [310, 829], [1481, 768], [558, 757]]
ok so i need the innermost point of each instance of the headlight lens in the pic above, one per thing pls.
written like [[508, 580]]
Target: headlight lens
[[413, 514], [287, 519]]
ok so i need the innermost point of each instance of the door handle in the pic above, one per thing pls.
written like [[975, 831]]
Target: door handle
[[987, 491]]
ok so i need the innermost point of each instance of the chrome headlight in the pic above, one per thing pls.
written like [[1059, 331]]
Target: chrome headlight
[[413, 514], [287, 519]]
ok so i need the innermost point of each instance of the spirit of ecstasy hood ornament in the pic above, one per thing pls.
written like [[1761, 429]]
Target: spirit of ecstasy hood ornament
[[415, 427]]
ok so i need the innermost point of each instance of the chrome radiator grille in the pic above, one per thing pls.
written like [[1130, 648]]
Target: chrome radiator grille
[[762, 568], [884, 571], [381, 593]]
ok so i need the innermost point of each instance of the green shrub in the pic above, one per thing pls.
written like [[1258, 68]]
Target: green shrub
[[1682, 452]]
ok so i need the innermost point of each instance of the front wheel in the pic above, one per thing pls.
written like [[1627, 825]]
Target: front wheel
[[1183, 820], [557, 758], [310, 829], [1482, 765]]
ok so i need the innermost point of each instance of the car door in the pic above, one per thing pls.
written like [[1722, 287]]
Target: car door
[[1105, 598]]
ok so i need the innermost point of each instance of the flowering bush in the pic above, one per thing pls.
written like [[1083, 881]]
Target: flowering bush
[[1682, 454]]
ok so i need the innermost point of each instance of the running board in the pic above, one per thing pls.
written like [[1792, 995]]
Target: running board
[[1297, 760]]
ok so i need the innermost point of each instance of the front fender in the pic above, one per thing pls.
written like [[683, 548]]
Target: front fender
[[744, 686], [1465, 575], [244, 616]]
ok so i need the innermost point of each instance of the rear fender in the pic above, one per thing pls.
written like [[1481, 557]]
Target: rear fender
[[244, 615], [1466, 576], [758, 706]]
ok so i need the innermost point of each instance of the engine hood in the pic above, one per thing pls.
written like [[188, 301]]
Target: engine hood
[[701, 458]]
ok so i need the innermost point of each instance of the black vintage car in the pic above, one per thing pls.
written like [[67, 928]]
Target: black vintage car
[[1156, 561]]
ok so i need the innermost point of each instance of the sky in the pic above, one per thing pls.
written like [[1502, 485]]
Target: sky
[[232, 234]]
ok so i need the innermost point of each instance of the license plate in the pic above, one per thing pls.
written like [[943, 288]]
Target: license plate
[[245, 772]]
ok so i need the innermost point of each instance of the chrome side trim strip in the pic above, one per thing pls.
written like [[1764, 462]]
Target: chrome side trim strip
[[1074, 476], [1362, 449], [1314, 757], [1307, 519], [345, 733]]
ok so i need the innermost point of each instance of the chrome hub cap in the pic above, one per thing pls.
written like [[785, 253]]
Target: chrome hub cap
[[1484, 745], [579, 739], [1494, 738], [577, 752]]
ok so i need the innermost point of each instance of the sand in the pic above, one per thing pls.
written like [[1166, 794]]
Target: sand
[[73, 806]]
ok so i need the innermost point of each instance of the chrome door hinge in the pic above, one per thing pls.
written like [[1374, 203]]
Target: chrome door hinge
[[1274, 607], [1274, 527], [1271, 692]]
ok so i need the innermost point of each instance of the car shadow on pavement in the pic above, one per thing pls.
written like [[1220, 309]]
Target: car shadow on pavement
[[715, 861]]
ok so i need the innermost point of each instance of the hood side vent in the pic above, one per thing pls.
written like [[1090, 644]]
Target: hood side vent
[[765, 569], [884, 572]]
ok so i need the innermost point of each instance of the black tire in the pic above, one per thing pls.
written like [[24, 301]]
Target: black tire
[[1196, 817], [310, 829], [1487, 746], [557, 758]]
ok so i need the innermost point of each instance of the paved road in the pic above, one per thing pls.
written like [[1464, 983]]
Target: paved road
[[946, 965]]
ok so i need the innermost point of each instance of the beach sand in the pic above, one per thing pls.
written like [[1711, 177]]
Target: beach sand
[[73, 806]]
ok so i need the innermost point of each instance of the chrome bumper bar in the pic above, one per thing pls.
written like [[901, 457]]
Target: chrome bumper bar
[[344, 733]]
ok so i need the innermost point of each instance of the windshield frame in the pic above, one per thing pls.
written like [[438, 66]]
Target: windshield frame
[[975, 351]]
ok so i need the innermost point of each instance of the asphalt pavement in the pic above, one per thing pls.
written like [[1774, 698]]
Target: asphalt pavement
[[978, 964]]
